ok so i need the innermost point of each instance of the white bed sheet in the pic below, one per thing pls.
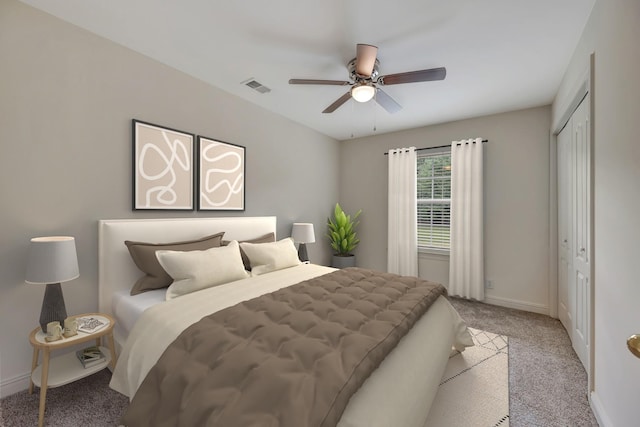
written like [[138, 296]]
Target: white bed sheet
[[399, 392], [128, 308]]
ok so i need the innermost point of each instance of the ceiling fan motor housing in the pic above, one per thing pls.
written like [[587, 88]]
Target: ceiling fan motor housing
[[357, 77]]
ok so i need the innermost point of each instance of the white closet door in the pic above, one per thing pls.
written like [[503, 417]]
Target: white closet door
[[566, 293], [574, 229], [581, 246]]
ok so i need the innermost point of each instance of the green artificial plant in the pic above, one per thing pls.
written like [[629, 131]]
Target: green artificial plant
[[342, 231]]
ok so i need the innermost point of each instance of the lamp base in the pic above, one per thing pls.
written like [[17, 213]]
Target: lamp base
[[302, 253], [53, 308]]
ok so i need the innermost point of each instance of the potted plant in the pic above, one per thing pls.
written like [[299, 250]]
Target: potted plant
[[343, 238]]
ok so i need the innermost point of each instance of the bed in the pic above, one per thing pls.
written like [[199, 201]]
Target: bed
[[398, 392]]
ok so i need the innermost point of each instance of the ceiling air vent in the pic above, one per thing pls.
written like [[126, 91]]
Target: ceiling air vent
[[257, 86]]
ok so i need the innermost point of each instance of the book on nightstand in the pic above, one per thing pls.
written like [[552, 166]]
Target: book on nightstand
[[90, 356], [89, 324]]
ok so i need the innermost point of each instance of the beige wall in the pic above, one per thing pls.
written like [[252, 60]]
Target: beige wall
[[612, 33], [67, 98], [516, 200]]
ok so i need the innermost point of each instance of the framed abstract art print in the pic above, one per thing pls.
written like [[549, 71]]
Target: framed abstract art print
[[221, 173], [163, 172]]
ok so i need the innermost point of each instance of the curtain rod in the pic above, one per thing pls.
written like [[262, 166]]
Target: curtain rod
[[439, 146]]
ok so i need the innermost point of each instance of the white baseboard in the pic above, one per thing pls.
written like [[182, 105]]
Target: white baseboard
[[14, 385], [519, 305], [598, 411]]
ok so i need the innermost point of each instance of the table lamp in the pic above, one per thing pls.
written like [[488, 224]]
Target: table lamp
[[51, 261], [302, 232]]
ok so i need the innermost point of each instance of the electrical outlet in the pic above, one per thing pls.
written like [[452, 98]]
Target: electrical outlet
[[488, 284]]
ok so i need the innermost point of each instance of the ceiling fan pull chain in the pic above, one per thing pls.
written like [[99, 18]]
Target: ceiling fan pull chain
[[375, 109], [352, 115]]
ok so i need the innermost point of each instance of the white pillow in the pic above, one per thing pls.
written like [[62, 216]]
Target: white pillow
[[195, 270], [266, 257]]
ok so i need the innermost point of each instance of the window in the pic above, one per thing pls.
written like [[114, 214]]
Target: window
[[434, 200]]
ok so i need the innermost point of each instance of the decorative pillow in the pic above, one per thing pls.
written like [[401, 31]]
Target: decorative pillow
[[267, 238], [196, 270], [144, 256], [266, 257]]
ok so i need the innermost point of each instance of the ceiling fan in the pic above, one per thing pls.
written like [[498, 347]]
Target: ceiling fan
[[365, 81]]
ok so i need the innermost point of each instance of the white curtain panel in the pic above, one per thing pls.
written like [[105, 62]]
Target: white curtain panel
[[466, 259], [402, 252]]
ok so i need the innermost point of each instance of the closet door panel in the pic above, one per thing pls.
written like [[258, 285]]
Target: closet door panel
[[565, 211], [574, 228], [581, 230]]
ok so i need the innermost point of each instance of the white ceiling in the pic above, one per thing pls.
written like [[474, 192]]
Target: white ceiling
[[500, 55]]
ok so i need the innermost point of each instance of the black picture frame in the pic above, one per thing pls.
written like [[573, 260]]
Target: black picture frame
[[163, 168], [221, 171]]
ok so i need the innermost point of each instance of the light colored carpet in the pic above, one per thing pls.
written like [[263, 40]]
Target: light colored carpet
[[475, 386], [547, 382], [87, 402]]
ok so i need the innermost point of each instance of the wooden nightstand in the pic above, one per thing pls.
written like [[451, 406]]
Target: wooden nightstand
[[61, 370]]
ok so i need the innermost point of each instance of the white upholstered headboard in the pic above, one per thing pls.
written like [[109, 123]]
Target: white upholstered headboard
[[116, 270]]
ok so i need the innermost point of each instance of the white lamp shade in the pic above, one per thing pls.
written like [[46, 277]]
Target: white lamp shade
[[52, 260], [363, 92], [302, 232]]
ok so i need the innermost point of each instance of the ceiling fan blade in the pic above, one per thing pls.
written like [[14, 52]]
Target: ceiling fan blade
[[413, 76], [333, 107], [365, 59], [318, 82], [387, 102]]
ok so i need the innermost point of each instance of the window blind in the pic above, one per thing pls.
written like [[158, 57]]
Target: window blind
[[434, 200]]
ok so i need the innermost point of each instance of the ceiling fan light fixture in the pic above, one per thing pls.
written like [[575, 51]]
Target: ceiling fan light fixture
[[363, 92]]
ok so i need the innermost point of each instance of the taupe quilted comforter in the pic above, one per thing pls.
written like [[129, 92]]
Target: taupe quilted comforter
[[290, 358]]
